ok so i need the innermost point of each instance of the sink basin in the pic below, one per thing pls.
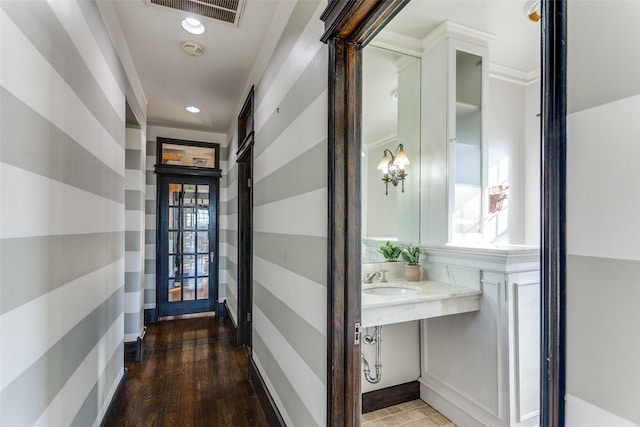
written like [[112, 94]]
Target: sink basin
[[391, 290]]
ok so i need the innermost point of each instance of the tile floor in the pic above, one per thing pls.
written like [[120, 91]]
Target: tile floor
[[409, 414]]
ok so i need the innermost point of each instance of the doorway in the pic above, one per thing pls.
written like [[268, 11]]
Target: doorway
[[187, 236], [245, 246], [245, 221], [186, 246], [349, 26]]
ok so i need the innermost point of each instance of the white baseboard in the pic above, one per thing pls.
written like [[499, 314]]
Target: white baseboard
[[462, 412]]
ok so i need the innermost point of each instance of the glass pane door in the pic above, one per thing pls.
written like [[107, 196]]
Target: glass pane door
[[187, 225]]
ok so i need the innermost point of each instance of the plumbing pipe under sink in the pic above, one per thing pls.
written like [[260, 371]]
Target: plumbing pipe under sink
[[377, 341]]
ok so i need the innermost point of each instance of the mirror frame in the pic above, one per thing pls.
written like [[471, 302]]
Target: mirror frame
[[349, 26]]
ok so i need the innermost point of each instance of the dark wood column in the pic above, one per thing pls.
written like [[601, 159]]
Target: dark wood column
[[349, 26], [553, 241], [343, 380]]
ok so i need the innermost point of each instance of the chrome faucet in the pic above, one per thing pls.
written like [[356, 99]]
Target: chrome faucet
[[368, 277], [380, 274]]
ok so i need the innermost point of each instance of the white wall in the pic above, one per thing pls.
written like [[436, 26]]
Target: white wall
[[229, 221], [135, 155], [531, 160], [381, 210], [504, 145], [603, 201]]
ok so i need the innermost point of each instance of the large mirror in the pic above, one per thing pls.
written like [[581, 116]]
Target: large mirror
[[391, 148], [466, 218], [463, 103]]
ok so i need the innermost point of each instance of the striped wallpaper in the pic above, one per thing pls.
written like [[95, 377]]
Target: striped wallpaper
[[64, 242], [134, 233], [150, 224], [603, 201], [290, 221], [229, 230]]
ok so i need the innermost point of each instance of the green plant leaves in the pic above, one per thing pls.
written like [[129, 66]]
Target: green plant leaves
[[390, 251], [411, 254]]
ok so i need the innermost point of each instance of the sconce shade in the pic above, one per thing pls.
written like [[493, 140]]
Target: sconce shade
[[384, 163], [401, 157]]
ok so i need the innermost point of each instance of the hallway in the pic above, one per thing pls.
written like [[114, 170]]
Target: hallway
[[191, 374]]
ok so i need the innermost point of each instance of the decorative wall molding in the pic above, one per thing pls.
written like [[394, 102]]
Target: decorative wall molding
[[500, 293], [379, 142], [512, 75], [411, 46], [431, 386], [505, 259], [450, 29], [518, 286], [398, 43], [454, 396]]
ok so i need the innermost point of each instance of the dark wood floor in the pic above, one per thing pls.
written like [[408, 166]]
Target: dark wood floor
[[191, 375]]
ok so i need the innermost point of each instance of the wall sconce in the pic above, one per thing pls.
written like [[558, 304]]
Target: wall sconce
[[532, 10], [392, 168]]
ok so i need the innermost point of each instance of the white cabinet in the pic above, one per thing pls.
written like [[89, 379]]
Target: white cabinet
[[455, 73], [482, 368]]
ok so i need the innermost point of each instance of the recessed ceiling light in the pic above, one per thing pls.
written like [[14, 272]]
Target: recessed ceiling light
[[192, 109], [192, 25]]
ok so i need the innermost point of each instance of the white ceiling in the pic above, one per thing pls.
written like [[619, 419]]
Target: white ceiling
[[517, 40], [217, 81], [172, 80]]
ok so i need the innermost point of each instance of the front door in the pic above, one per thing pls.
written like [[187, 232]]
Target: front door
[[187, 236]]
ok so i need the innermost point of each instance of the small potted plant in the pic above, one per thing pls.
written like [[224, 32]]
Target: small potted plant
[[411, 256], [390, 251]]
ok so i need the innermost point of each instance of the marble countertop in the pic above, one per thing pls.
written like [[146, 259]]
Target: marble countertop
[[431, 299]]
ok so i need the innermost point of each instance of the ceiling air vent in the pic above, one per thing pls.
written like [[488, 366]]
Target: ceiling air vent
[[222, 10]]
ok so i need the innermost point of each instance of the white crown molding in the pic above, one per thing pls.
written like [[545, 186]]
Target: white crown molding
[[389, 40], [450, 29], [411, 46], [405, 62], [382, 141], [511, 75], [397, 42], [507, 74], [533, 76]]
